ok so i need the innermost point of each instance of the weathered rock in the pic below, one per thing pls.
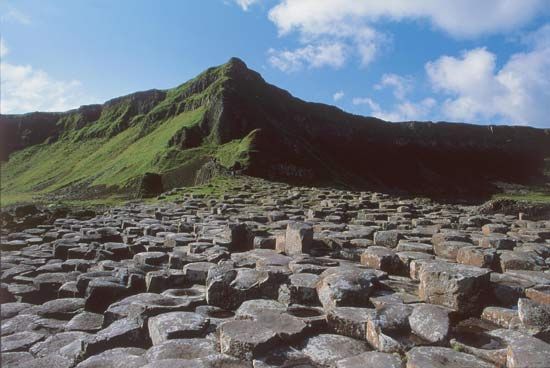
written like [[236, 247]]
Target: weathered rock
[[327, 349], [15, 359], [197, 272], [527, 352], [504, 317], [386, 327], [430, 322], [176, 325], [246, 339], [384, 259], [389, 238], [534, 315], [121, 333], [59, 344], [459, 287], [350, 321], [539, 294], [181, 349], [372, 359], [300, 290], [116, 358], [436, 357], [252, 308], [9, 310], [476, 256], [299, 238], [100, 294], [346, 287], [449, 249], [85, 321], [517, 260], [20, 341]]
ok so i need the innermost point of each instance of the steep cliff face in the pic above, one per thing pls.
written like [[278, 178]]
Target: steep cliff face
[[314, 143], [231, 116]]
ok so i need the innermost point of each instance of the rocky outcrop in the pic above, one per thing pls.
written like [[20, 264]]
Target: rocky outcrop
[[195, 283], [300, 142]]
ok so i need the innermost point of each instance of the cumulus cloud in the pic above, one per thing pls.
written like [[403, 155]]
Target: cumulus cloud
[[454, 17], [517, 93], [26, 89], [338, 96], [400, 85], [246, 4], [353, 22], [326, 54]]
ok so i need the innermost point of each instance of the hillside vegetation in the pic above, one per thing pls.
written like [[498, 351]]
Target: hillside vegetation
[[230, 120], [148, 132]]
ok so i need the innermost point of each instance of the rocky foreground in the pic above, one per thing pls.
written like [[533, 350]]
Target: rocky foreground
[[276, 276]]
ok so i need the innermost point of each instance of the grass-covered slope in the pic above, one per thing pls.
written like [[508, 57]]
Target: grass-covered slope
[[230, 117], [162, 132]]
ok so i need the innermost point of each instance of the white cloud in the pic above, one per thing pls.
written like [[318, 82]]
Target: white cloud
[[16, 16], [358, 38], [3, 48], [403, 111], [352, 22], [365, 101], [26, 89], [246, 4], [400, 85], [458, 18], [517, 93], [338, 96], [327, 54]]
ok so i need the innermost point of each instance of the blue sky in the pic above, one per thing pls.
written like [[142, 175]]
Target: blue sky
[[454, 60]]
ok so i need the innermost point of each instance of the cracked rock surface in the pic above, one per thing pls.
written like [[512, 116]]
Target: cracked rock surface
[[271, 275]]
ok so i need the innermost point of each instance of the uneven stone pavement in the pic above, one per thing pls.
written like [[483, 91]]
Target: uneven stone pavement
[[271, 275]]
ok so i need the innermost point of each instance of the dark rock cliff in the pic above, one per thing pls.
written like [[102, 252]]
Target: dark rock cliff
[[309, 143]]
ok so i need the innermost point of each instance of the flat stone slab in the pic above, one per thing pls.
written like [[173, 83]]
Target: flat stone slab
[[246, 339], [372, 359], [116, 358], [176, 325], [431, 322], [436, 357], [327, 349], [181, 349], [20, 341]]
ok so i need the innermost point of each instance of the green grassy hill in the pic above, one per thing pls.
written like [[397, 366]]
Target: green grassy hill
[[229, 117], [149, 132]]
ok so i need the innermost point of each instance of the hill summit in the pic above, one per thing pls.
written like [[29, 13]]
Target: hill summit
[[229, 119]]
